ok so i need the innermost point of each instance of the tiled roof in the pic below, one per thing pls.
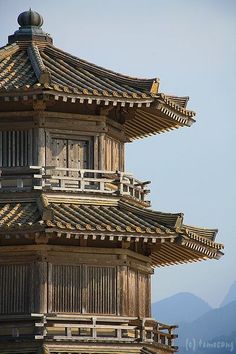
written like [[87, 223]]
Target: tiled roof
[[31, 67], [121, 220], [65, 70], [17, 214], [105, 218]]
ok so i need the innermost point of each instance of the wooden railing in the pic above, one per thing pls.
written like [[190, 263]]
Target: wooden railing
[[84, 328], [72, 180]]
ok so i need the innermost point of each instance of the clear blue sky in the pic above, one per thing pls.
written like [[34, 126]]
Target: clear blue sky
[[191, 46]]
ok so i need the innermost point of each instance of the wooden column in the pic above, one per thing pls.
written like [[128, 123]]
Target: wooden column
[[41, 147], [123, 274], [39, 107], [40, 289], [96, 152], [101, 161]]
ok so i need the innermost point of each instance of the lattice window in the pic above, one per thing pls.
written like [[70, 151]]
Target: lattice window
[[16, 148], [14, 288]]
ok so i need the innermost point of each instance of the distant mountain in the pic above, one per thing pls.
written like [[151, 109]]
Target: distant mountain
[[217, 323], [182, 307], [230, 296]]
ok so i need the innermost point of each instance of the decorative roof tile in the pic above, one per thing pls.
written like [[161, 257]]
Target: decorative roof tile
[[39, 67], [181, 243]]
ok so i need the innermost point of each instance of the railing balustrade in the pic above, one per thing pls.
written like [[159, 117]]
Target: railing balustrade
[[86, 328], [72, 180]]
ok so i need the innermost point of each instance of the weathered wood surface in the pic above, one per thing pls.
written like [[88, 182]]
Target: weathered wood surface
[[60, 139], [72, 179], [65, 283], [16, 148], [88, 329]]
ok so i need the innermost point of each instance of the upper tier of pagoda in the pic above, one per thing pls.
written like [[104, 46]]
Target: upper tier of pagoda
[[64, 123], [31, 67]]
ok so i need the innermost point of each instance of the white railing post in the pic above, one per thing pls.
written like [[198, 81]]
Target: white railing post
[[42, 179], [94, 329], [82, 184], [73, 180], [120, 176]]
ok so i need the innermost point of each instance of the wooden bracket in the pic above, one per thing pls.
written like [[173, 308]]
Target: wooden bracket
[[41, 239]]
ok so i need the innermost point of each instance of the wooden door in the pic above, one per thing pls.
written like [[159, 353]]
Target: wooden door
[[70, 153], [78, 154], [59, 154]]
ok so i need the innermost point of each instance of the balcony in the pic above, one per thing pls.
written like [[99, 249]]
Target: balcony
[[51, 178], [87, 329]]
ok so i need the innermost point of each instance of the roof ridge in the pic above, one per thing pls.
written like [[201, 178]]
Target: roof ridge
[[42, 73]]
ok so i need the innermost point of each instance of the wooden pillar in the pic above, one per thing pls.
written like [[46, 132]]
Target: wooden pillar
[[101, 157], [41, 147], [123, 280], [96, 152], [148, 299], [40, 289], [39, 107]]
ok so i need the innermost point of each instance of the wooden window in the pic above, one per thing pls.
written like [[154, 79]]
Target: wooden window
[[82, 289], [16, 148], [14, 288]]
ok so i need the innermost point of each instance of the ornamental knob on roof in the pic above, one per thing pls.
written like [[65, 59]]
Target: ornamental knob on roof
[[30, 28], [30, 18]]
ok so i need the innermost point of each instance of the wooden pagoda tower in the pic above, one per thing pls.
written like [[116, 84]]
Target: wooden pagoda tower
[[78, 241]]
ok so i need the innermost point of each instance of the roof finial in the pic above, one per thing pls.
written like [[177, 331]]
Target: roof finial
[[30, 28], [30, 18]]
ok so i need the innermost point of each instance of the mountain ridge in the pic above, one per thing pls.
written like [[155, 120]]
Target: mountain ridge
[[180, 307], [210, 330], [230, 295]]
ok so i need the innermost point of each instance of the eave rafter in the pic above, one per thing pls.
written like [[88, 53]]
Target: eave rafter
[[164, 236], [60, 76], [165, 249]]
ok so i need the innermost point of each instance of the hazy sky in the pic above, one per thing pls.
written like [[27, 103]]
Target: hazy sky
[[191, 46]]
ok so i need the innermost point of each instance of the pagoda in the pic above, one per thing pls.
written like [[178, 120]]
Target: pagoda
[[78, 240]]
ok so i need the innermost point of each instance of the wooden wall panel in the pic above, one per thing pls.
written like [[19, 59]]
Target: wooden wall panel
[[14, 288], [101, 290], [16, 148], [132, 292], [143, 294], [138, 287], [66, 288], [114, 157], [82, 289]]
